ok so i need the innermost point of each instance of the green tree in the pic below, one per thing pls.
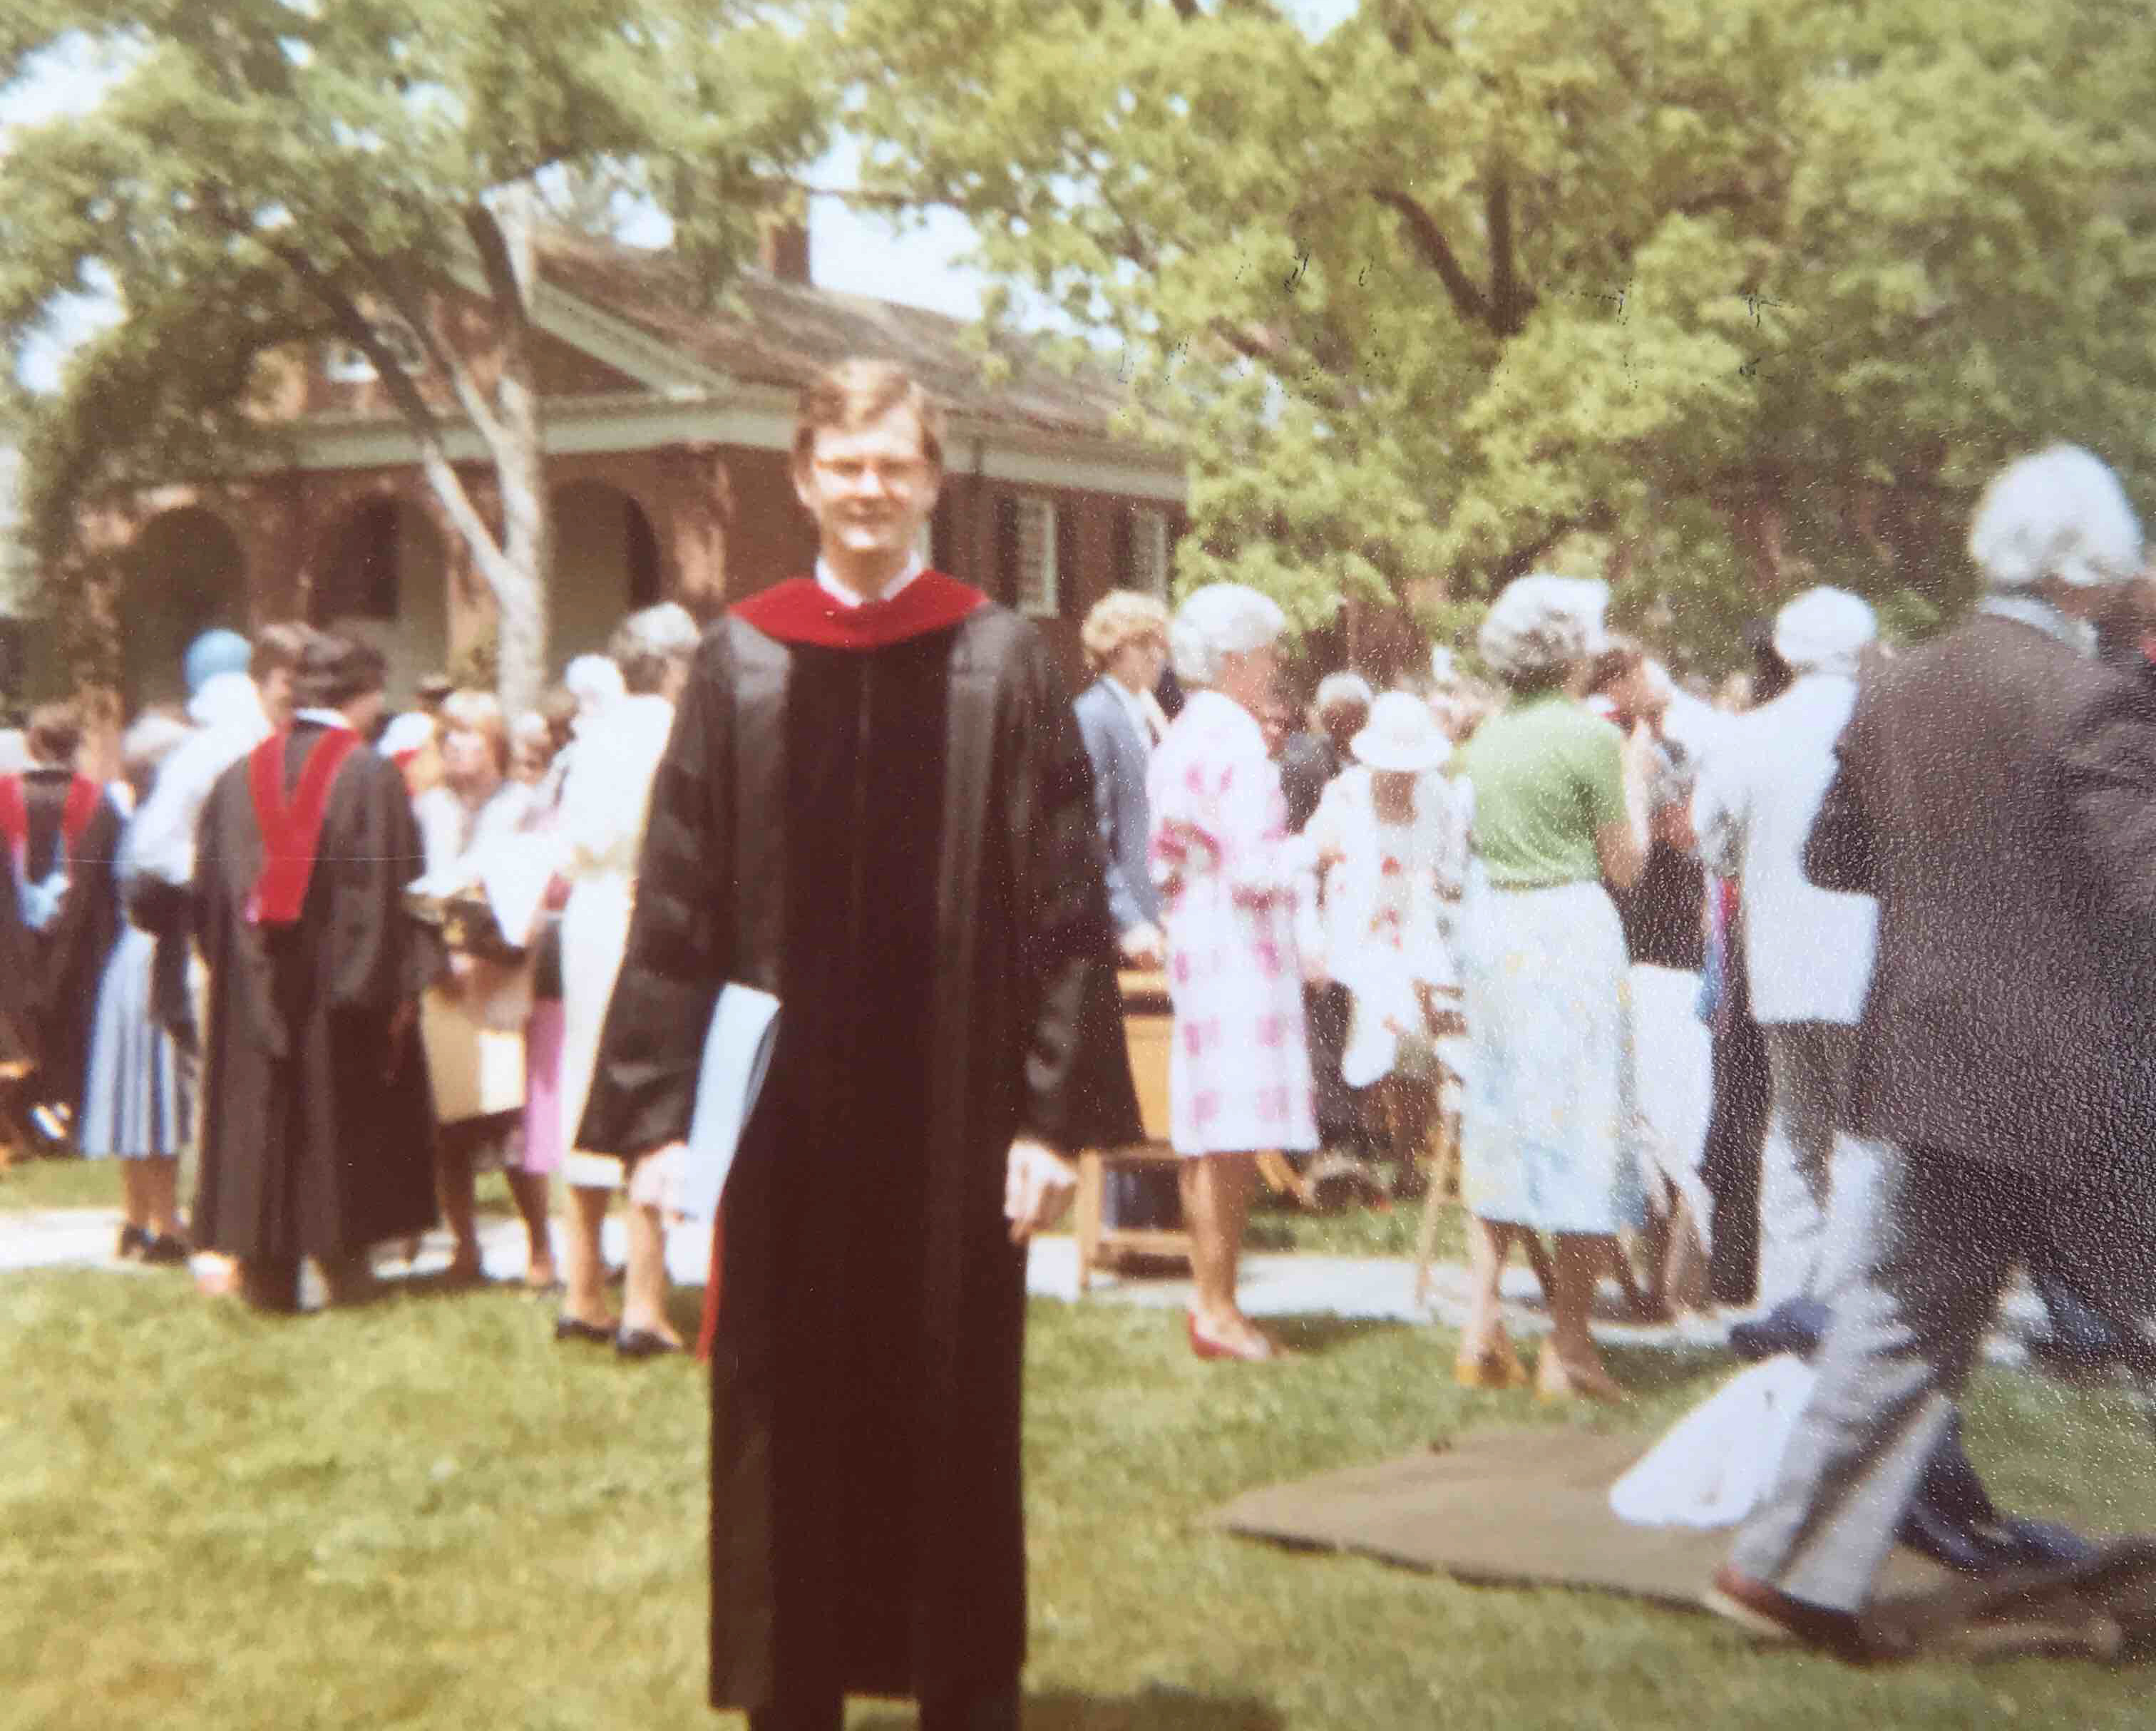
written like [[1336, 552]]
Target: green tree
[[265, 173], [1719, 296]]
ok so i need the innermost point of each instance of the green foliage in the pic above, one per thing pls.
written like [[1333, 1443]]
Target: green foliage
[[1728, 296], [262, 173]]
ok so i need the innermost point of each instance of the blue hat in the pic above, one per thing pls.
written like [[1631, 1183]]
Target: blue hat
[[213, 653]]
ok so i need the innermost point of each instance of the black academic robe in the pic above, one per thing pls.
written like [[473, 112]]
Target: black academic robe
[[899, 841], [49, 979], [317, 1129]]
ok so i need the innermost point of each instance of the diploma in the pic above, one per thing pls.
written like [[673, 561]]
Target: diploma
[[736, 1054]]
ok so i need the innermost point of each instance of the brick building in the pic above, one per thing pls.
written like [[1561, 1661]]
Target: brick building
[[667, 430]]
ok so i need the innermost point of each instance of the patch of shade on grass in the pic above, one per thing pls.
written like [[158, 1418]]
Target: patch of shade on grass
[[424, 1512]]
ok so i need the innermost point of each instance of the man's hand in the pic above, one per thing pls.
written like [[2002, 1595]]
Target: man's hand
[[1144, 947], [1038, 1184], [401, 1019]]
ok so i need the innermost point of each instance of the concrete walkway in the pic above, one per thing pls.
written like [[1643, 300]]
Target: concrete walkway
[[1273, 1283]]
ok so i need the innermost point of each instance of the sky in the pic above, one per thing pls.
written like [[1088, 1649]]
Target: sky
[[919, 265]]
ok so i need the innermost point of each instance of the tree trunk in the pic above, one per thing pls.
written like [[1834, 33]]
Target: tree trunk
[[521, 592]]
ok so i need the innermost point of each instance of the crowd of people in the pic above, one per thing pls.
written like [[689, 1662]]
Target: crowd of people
[[1822, 992], [158, 998]]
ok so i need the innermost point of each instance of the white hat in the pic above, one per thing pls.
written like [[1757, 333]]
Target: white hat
[[1823, 630], [2060, 513], [1401, 735]]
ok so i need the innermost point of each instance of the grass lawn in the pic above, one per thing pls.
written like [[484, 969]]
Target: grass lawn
[[424, 1512]]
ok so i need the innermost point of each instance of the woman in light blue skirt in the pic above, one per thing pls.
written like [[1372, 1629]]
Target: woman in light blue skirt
[[1548, 1140], [139, 1100]]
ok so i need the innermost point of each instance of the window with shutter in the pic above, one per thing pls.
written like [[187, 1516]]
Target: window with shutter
[[1149, 559], [1036, 585]]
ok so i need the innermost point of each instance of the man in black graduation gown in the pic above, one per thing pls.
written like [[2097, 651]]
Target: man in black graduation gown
[[318, 1122], [59, 913], [875, 805]]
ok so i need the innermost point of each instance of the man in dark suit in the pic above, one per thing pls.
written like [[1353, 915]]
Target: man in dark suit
[[1992, 791], [1126, 640]]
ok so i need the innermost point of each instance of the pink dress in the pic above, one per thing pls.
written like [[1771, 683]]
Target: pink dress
[[1230, 872]]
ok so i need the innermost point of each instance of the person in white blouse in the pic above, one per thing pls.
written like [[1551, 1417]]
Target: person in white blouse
[[599, 828], [1390, 833], [1809, 950]]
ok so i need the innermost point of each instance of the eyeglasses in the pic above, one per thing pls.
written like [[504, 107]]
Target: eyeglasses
[[894, 472]]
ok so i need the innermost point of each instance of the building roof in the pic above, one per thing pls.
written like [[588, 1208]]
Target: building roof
[[771, 330]]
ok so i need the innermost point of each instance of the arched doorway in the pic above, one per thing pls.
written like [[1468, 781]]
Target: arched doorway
[[383, 562], [606, 564], [184, 573]]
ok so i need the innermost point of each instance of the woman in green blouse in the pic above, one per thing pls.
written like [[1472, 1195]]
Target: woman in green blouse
[[1547, 1140]]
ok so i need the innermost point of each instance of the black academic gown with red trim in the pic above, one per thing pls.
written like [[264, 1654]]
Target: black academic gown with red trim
[[49, 979], [885, 816], [317, 1132]]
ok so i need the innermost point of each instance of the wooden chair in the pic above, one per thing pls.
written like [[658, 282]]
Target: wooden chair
[[1148, 1027]]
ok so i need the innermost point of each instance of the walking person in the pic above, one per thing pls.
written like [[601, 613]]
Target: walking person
[[1546, 1130], [1808, 951], [919, 885], [138, 1101], [318, 1125], [1992, 791], [1228, 871]]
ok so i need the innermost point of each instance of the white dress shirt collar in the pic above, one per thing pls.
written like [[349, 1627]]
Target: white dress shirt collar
[[830, 585], [323, 718], [1134, 706], [2078, 634]]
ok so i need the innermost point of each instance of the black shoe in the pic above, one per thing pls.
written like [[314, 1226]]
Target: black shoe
[[643, 1343], [164, 1251], [134, 1241], [575, 1328]]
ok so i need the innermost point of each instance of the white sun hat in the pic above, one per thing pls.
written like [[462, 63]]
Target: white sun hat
[[1401, 735]]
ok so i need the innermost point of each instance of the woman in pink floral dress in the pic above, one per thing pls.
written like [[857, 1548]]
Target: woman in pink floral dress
[[1229, 873]]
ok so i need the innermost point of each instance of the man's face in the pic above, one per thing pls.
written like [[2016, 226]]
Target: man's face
[[870, 489], [277, 696], [1137, 665]]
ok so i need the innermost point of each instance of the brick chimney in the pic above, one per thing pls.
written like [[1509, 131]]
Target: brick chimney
[[782, 247]]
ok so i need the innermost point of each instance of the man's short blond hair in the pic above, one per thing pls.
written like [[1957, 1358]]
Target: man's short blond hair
[[847, 395], [1119, 617]]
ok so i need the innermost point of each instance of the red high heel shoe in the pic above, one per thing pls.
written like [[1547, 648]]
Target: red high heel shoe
[[1255, 1350]]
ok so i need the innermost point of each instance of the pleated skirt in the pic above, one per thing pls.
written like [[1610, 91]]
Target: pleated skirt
[[1549, 1131], [139, 1099]]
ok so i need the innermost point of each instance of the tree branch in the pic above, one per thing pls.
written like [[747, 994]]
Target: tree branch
[[1509, 307], [444, 357], [1437, 253], [1293, 368]]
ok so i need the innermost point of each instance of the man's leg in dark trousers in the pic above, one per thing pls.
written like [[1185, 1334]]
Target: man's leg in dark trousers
[[1904, 1335]]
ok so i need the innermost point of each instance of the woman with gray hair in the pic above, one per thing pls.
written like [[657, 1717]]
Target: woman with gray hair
[[1228, 872], [599, 827], [1547, 1132]]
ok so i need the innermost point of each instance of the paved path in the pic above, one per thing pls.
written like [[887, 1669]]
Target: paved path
[[1273, 1283]]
